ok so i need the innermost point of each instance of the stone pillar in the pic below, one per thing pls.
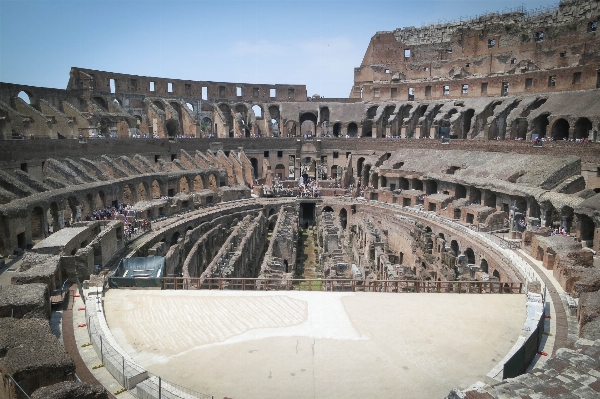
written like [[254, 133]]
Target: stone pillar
[[388, 131], [403, 132], [61, 219]]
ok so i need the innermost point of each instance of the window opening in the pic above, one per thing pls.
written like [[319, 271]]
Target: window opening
[[407, 53], [151, 86], [484, 87], [112, 86], [273, 93], [539, 36], [505, 88], [576, 78], [552, 81], [528, 83], [238, 91], [170, 87], [205, 93], [465, 89], [491, 43], [446, 90]]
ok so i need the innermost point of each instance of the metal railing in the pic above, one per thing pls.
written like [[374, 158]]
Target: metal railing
[[135, 379], [342, 285], [17, 392]]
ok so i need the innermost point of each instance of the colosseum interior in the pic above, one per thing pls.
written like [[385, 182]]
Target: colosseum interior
[[465, 160]]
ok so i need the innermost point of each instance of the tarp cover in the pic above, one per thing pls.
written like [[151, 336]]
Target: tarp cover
[[138, 272]]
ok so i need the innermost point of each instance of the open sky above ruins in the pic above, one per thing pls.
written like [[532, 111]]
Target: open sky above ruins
[[312, 42]]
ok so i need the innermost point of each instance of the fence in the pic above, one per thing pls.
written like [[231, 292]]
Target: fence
[[138, 381], [342, 285]]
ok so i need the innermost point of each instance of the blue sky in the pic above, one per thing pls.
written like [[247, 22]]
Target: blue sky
[[317, 43]]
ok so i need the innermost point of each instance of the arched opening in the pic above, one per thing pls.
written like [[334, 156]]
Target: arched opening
[[101, 102], [206, 126], [99, 200], [496, 274], [254, 163], [460, 191], [174, 238], [352, 129], [198, 183], [431, 187], [37, 223], [470, 256], [344, 218], [290, 128], [128, 195], [483, 266], [142, 194], [184, 187], [366, 175], [52, 217], [540, 125], [171, 128], [212, 182], [159, 105], [274, 125], [24, 96], [560, 130], [190, 106], [155, 189], [367, 129], [327, 209], [71, 213], [375, 180], [337, 129], [403, 183], [582, 128], [454, 247], [535, 105], [417, 184], [359, 167], [308, 124], [247, 132], [372, 112], [258, 113], [467, 118]]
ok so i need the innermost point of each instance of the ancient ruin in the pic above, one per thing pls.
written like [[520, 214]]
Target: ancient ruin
[[466, 153]]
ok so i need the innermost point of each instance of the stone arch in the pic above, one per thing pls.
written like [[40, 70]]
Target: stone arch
[[560, 129], [367, 129], [53, 216], [198, 183], [158, 104], [327, 209], [290, 128], [142, 192], [540, 124], [403, 183], [37, 223], [460, 191], [258, 111], [99, 200], [308, 123], [359, 166], [71, 210], [582, 128], [172, 127], [344, 218], [470, 254], [454, 247], [496, 274], [212, 182], [101, 101], [129, 194], [254, 163], [156, 191], [417, 184], [483, 265], [466, 122], [337, 129], [87, 206], [352, 129], [26, 96], [183, 185]]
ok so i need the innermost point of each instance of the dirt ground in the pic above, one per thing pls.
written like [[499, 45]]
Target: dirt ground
[[326, 345]]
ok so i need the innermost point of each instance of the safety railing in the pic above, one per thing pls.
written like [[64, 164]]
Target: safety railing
[[342, 285], [138, 381], [13, 389]]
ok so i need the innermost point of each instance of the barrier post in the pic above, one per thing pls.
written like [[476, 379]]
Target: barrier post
[[123, 372], [159, 387]]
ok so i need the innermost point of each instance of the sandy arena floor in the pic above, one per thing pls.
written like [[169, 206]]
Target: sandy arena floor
[[278, 344]]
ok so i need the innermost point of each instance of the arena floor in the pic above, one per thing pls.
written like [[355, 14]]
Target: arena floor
[[279, 344]]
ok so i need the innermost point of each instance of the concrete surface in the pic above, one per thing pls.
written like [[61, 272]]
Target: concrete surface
[[315, 344]]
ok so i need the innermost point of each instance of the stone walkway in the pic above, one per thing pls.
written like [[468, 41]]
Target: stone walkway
[[68, 330]]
